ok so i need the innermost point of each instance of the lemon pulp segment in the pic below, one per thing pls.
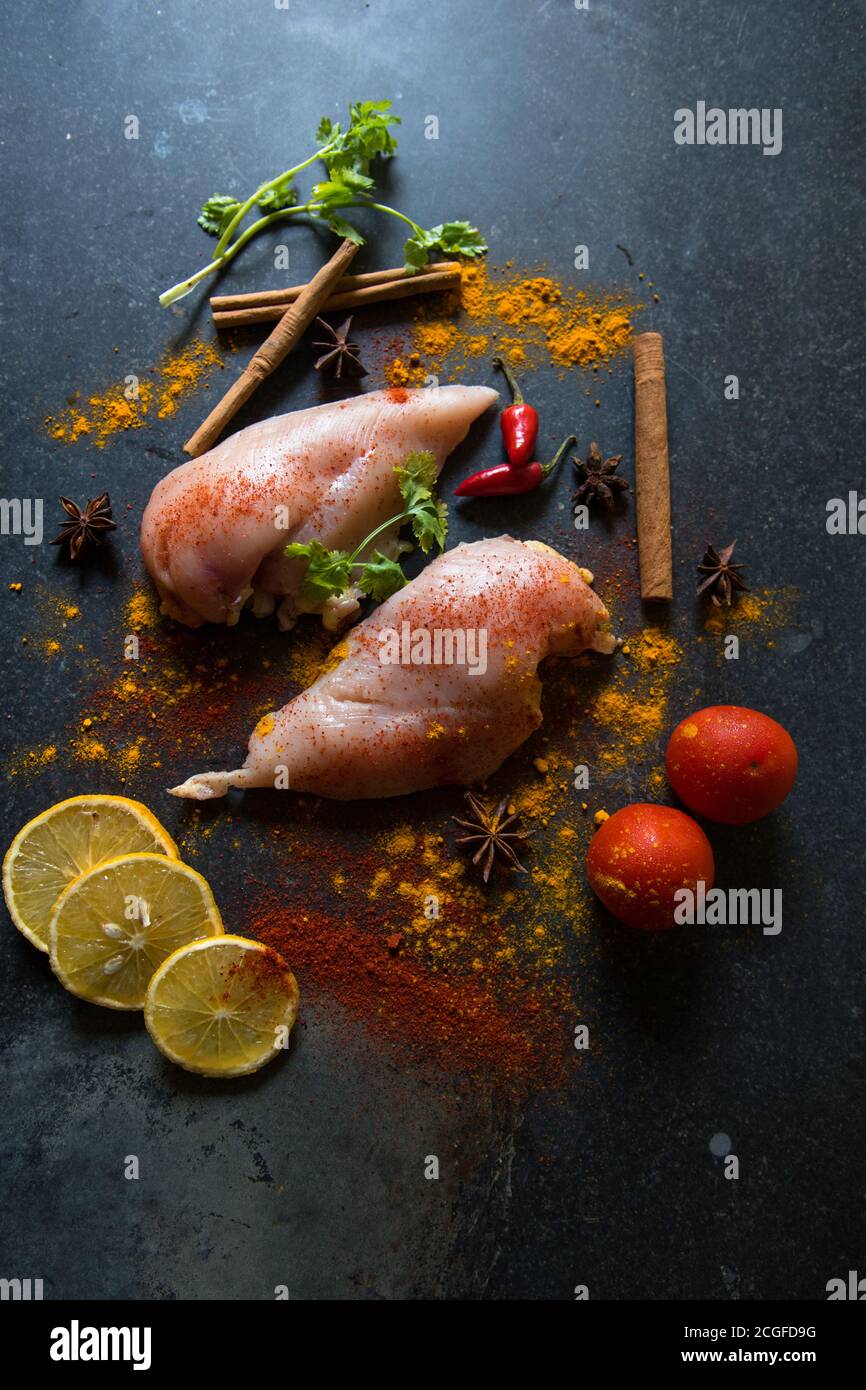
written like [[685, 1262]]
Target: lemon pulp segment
[[222, 1007], [114, 925]]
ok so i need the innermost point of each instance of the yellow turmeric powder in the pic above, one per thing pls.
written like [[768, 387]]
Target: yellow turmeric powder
[[400, 371], [142, 609], [312, 653], [436, 339], [101, 416], [631, 709], [766, 608], [179, 374], [529, 319], [126, 405]]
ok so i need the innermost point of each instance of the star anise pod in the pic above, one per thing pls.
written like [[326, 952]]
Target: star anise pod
[[599, 480], [85, 528], [341, 356], [722, 578], [492, 833]]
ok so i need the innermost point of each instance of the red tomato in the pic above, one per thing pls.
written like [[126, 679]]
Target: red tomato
[[730, 764], [641, 856]]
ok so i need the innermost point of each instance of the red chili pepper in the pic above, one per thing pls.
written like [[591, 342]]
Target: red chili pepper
[[519, 422], [506, 481]]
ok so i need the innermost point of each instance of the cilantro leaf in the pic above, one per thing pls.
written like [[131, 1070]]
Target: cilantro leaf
[[366, 136], [430, 524], [341, 187], [458, 239], [328, 571], [341, 190], [451, 238], [381, 577], [348, 153], [217, 213], [415, 254], [417, 477], [281, 194], [429, 516], [340, 227]]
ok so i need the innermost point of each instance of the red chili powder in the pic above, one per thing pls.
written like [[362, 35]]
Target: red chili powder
[[449, 1021]]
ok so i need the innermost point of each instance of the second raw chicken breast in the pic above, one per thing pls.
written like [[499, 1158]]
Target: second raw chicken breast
[[437, 686]]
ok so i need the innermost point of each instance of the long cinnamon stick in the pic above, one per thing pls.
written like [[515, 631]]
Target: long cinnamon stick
[[272, 351], [221, 303], [383, 292], [652, 473]]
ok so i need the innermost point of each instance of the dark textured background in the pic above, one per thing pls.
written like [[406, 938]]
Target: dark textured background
[[556, 129]]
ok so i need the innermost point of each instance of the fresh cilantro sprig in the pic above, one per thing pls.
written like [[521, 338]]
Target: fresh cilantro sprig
[[348, 155], [451, 238], [429, 514], [329, 572]]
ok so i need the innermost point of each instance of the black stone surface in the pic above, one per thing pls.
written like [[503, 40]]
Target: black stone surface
[[556, 129]]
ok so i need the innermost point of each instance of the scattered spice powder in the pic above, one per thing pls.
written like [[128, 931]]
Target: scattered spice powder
[[453, 1022], [769, 609], [312, 652], [90, 750], [402, 371], [633, 705], [126, 406], [142, 609], [528, 318], [182, 697], [436, 339], [102, 415], [475, 980]]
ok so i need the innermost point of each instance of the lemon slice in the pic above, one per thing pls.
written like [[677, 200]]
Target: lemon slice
[[65, 841], [222, 1007], [114, 925]]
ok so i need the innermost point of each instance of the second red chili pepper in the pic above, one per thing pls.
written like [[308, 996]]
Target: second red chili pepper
[[518, 422], [506, 481]]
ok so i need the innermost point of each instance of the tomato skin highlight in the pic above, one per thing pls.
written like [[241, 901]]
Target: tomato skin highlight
[[640, 856], [731, 764]]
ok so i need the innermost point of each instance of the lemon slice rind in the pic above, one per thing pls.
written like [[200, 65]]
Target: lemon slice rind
[[30, 906], [180, 1012]]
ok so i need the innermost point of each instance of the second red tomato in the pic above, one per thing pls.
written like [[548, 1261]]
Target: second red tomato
[[640, 857]]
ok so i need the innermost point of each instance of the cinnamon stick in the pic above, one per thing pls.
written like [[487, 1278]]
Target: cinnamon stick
[[652, 473], [221, 303], [272, 351], [383, 292]]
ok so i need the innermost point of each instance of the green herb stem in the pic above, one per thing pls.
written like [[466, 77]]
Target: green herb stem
[[312, 209], [392, 521], [228, 230], [185, 287], [383, 207]]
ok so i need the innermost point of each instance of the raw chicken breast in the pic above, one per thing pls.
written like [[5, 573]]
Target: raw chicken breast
[[381, 724], [214, 530]]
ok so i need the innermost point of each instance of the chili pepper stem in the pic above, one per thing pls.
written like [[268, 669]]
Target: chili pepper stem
[[516, 393], [547, 468]]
